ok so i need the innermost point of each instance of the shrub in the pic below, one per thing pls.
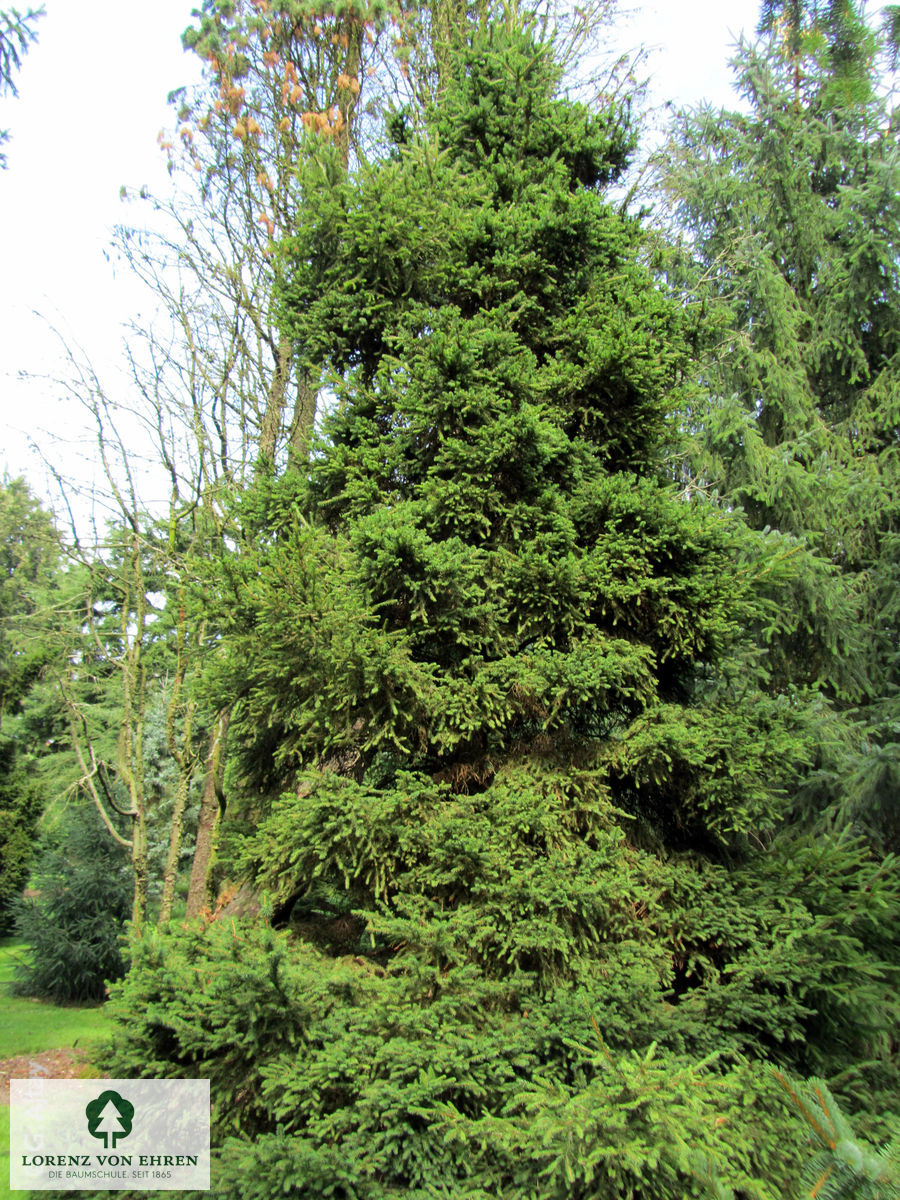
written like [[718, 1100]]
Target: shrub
[[75, 919]]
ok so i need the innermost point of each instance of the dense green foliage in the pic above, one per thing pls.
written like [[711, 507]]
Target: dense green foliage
[[545, 686], [74, 919], [425, 1084], [843, 1167], [794, 223], [21, 805], [515, 775], [29, 559]]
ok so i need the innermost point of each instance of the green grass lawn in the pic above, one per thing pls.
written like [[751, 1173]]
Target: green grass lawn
[[5, 1190], [31, 1026], [4, 1158]]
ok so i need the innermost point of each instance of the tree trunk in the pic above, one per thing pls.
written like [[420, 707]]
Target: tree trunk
[[211, 806], [275, 404], [175, 838], [303, 421], [139, 862]]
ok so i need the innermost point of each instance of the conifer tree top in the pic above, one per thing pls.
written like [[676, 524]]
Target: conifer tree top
[[490, 565]]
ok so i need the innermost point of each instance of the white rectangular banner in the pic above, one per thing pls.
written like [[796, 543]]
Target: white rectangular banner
[[93, 1134]]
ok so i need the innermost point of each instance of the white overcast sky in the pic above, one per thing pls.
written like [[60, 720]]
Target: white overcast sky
[[92, 99]]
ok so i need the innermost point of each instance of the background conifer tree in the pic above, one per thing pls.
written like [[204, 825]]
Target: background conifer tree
[[793, 221], [75, 920], [29, 569]]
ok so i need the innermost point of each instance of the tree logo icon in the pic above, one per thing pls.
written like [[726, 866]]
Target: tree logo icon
[[109, 1117]]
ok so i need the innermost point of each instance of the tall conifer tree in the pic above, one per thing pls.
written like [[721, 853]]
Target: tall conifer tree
[[29, 569], [794, 224], [523, 845]]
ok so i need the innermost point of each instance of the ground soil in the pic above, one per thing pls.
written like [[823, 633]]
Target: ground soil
[[49, 1064]]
